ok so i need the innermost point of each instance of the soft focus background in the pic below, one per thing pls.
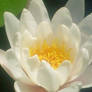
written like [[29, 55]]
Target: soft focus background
[[16, 6]]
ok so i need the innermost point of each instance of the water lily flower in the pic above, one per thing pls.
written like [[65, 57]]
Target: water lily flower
[[49, 55]]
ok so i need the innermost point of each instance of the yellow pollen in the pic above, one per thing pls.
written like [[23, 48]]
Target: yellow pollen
[[53, 53]]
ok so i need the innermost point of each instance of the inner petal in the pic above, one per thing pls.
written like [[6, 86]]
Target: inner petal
[[54, 54]]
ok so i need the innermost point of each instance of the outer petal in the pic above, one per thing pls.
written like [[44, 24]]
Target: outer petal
[[86, 77], [20, 87], [62, 16], [74, 87], [86, 27], [28, 20], [12, 26], [10, 64], [76, 8], [38, 10], [88, 46], [47, 77], [80, 64]]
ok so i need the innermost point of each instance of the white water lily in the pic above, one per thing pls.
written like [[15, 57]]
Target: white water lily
[[49, 56]]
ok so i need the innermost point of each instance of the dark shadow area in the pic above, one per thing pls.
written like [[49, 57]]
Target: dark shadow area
[[6, 83], [4, 43], [88, 7], [53, 5]]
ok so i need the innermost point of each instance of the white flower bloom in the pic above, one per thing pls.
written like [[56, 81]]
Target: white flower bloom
[[49, 56]]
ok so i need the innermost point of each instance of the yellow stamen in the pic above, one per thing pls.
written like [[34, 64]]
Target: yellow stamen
[[53, 53]]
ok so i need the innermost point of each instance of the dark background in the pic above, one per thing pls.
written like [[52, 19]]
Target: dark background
[[6, 83]]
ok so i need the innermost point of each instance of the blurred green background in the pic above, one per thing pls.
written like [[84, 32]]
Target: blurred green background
[[16, 6]]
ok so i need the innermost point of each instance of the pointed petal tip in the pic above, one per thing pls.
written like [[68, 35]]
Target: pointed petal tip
[[65, 8], [62, 16], [45, 63], [6, 14], [25, 10]]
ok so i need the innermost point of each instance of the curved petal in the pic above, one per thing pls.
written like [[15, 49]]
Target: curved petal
[[10, 64], [77, 9], [28, 20], [64, 71], [80, 64], [88, 46], [27, 40], [33, 64], [44, 31], [12, 26], [38, 10], [86, 77], [86, 25], [74, 87], [66, 38], [63, 34], [47, 77], [75, 31], [20, 87], [62, 16], [30, 66]]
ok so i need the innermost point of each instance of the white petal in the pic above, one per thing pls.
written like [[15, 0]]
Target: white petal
[[12, 26], [76, 8], [27, 40], [47, 77], [75, 32], [64, 71], [88, 46], [84, 38], [12, 67], [31, 66], [38, 10], [44, 31], [28, 20], [33, 63], [80, 64], [25, 37], [74, 87], [86, 77], [65, 37], [20, 87], [63, 33], [86, 25], [62, 16]]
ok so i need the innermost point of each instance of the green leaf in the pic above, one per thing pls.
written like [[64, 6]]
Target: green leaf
[[14, 6]]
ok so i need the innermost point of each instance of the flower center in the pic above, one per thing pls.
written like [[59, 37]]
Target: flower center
[[53, 54]]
